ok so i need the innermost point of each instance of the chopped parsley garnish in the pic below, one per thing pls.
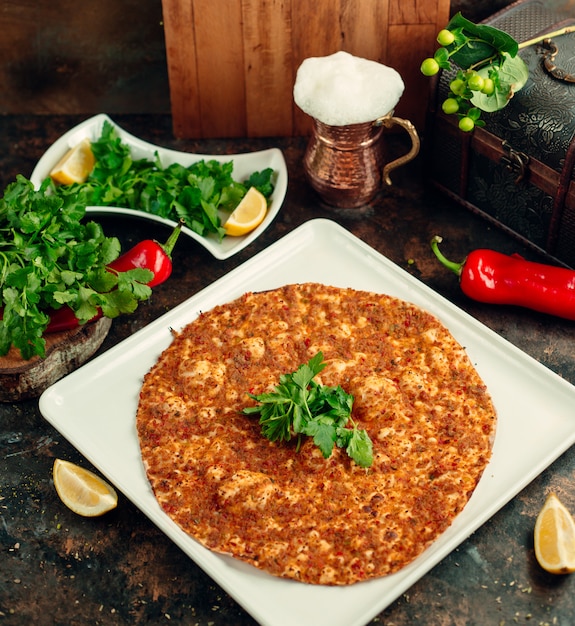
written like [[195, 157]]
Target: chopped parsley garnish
[[195, 193], [301, 406]]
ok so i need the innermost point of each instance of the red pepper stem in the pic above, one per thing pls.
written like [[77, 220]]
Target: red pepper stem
[[451, 265], [171, 242]]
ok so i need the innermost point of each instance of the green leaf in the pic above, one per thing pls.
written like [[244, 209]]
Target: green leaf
[[31, 222], [83, 307], [135, 281], [442, 57], [306, 372], [70, 277], [5, 338], [63, 297], [102, 281], [323, 433], [512, 75], [276, 422], [343, 436], [211, 214], [207, 187], [231, 195], [117, 302], [263, 181], [339, 400], [481, 42], [110, 250], [18, 278], [360, 448]]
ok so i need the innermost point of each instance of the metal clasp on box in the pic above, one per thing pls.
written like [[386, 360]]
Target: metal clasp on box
[[515, 162]]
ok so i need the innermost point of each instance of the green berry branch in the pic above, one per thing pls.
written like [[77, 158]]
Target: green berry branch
[[489, 71]]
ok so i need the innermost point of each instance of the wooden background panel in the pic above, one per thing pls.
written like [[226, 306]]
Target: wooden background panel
[[364, 28], [247, 53], [185, 99], [220, 67], [412, 32], [414, 11], [268, 67], [406, 59], [314, 33]]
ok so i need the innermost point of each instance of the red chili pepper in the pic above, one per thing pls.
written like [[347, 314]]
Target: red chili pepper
[[496, 278], [147, 254], [151, 255]]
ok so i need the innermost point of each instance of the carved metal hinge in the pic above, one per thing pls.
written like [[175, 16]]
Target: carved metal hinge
[[515, 162]]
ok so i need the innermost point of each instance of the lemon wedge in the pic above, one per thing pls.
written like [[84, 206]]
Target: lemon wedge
[[249, 214], [82, 491], [554, 537], [75, 165]]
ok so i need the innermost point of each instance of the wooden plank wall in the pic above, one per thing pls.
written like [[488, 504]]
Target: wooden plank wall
[[232, 63]]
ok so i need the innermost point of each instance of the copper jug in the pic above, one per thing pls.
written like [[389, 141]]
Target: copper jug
[[345, 164]]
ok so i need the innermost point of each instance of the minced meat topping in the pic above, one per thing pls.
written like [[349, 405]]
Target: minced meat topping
[[291, 512]]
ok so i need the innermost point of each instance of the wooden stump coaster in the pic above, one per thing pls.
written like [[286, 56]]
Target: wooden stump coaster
[[65, 352]]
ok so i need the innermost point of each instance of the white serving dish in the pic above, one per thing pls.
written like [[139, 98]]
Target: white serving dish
[[244, 165], [94, 408]]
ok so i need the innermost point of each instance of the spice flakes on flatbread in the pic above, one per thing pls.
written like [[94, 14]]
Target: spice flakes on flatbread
[[292, 512]]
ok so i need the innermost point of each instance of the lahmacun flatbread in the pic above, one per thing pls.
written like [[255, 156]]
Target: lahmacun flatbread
[[292, 512]]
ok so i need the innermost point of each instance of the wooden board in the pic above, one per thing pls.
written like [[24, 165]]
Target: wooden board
[[232, 63], [65, 351]]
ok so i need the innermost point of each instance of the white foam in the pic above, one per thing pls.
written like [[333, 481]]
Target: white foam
[[342, 89]]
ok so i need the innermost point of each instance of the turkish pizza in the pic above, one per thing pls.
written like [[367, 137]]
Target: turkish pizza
[[282, 505]]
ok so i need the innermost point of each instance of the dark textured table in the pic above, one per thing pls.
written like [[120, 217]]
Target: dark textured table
[[59, 568]]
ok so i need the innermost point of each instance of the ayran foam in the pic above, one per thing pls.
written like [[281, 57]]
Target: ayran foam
[[342, 89]]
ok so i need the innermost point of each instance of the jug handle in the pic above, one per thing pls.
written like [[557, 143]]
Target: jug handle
[[388, 121]]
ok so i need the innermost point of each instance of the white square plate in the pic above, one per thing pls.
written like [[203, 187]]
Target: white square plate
[[94, 408], [244, 165]]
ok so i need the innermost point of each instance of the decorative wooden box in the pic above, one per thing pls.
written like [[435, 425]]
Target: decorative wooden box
[[232, 63], [517, 171]]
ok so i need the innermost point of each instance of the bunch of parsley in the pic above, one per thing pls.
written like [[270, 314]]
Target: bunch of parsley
[[49, 257], [301, 406], [195, 193]]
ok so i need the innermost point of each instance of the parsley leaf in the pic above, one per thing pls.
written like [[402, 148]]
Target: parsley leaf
[[195, 193], [301, 406], [358, 445]]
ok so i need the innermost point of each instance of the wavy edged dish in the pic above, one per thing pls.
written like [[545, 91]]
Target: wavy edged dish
[[244, 165]]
